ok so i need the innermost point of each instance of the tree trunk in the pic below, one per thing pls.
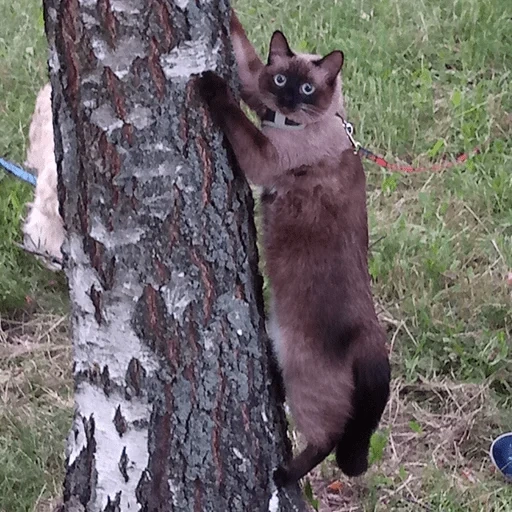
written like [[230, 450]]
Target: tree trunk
[[176, 409]]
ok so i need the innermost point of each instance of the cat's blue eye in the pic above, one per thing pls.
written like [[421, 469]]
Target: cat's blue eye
[[279, 80], [307, 89]]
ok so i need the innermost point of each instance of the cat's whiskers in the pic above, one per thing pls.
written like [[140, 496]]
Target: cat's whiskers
[[311, 109]]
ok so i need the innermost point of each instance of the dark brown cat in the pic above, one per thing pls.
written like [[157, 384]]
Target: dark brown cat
[[329, 344]]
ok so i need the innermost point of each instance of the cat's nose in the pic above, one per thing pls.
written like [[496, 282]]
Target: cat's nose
[[288, 101]]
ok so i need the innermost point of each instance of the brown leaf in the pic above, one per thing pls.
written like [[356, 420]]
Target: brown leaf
[[335, 486]]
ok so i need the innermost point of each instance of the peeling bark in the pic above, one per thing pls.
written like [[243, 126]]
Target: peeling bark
[[176, 408]]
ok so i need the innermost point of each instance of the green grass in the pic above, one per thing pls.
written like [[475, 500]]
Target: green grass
[[423, 80], [34, 386], [23, 70], [31, 459]]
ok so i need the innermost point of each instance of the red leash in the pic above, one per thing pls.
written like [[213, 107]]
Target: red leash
[[382, 162]]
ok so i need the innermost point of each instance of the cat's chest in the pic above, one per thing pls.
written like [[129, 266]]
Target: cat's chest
[[321, 142], [289, 199], [299, 207]]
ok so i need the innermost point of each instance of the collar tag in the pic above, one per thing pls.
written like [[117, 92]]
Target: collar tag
[[277, 120]]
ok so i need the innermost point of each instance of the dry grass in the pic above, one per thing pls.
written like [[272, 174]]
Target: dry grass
[[431, 450], [32, 350], [438, 435], [35, 407]]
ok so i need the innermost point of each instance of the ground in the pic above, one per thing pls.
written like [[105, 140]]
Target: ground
[[424, 80]]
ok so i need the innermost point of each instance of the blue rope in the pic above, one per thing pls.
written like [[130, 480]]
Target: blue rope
[[18, 172]]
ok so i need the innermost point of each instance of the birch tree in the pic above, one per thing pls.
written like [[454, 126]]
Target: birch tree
[[175, 405]]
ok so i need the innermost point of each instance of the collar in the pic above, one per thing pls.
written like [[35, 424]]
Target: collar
[[277, 120]]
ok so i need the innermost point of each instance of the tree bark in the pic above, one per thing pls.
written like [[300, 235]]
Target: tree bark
[[175, 406]]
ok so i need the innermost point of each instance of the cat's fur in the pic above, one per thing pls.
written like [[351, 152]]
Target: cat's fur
[[43, 228], [329, 343]]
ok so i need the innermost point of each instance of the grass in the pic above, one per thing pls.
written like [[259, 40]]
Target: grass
[[423, 80], [23, 70], [35, 409]]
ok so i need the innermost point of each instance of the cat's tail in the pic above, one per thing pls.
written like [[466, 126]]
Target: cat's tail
[[372, 376]]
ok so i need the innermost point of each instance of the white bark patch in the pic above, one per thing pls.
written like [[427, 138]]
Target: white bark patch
[[178, 295], [182, 4], [236, 311], [190, 58], [110, 445], [120, 59], [166, 169], [156, 147], [266, 425], [273, 504], [105, 118], [88, 3], [126, 6], [208, 343], [52, 14], [53, 61], [244, 464], [88, 278], [140, 117], [115, 239], [76, 441], [89, 21], [114, 342], [158, 205]]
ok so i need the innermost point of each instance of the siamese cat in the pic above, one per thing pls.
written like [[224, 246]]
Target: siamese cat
[[329, 344]]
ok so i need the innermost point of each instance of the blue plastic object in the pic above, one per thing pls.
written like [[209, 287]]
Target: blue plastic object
[[18, 172], [501, 454]]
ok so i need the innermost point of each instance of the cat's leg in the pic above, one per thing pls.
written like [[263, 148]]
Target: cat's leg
[[301, 465], [251, 60], [274, 334], [352, 450], [371, 392], [249, 64], [256, 155]]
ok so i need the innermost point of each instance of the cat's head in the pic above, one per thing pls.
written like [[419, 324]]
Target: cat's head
[[302, 87]]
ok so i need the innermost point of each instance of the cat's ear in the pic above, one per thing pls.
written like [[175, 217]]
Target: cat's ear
[[279, 47], [331, 64]]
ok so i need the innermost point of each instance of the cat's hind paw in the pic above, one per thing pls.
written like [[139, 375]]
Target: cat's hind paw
[[281, 477]]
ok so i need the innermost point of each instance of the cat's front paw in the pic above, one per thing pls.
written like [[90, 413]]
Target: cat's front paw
[[213, 88]]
